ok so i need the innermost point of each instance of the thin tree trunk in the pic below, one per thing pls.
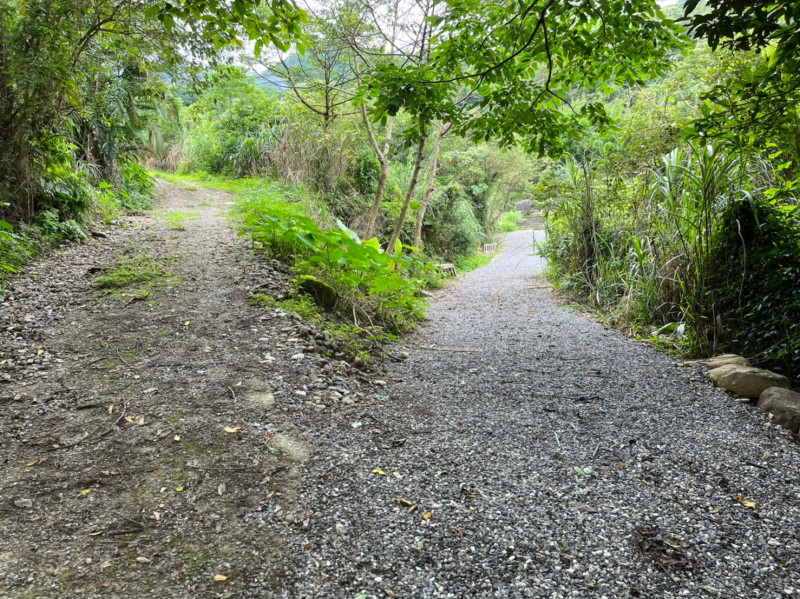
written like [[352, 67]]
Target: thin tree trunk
[[409, 195], [429, 190], [383, 158]]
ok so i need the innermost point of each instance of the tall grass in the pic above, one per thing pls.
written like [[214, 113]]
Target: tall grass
[[646, 250]]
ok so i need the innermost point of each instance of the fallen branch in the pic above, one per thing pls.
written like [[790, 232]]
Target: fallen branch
[[119, 355]]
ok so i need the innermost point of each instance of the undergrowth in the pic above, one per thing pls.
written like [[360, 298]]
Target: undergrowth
[[70, 204], [694, 256], [466, 264], [509, 221]]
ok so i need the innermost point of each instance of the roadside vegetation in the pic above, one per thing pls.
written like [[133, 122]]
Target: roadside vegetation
[[367, 141]]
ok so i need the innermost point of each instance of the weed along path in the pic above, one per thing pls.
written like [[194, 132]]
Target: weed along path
[[162, 436], [524, 451]]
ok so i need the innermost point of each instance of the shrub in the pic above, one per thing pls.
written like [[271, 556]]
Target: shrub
[[451, 226], [756, 282], [371, 287]]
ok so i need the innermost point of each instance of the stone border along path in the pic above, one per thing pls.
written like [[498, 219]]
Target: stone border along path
[[535, 454]]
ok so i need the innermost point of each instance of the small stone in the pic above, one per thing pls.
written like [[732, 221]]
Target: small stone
[[265, 400], [23, 503]]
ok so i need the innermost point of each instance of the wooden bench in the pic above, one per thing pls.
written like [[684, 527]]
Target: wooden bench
[[489, 248], [447, 268]]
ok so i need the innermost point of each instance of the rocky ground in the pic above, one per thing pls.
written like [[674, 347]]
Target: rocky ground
[[186, 443], [150, 443], [524, 451]]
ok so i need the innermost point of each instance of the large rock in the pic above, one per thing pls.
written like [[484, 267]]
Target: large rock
[[726, 359], [784, 405], [746, 380]]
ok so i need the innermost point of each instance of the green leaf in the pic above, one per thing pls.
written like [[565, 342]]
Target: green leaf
[[307, 238], [709, 589]]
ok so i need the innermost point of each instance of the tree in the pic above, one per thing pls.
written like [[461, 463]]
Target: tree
[[749, 24], [53, 67], [322, 79], [759, 104], [521, 62]]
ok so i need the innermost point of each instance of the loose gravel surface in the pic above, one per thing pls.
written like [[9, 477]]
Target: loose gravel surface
[[524, 451], [185, 443]]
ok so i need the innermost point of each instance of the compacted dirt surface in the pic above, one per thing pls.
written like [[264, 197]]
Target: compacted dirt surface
[[179, 441], [153, 440]]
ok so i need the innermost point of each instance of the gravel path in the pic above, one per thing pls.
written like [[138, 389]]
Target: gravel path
[[151, 447], [535, 454]]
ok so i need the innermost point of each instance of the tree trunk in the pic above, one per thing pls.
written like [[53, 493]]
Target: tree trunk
[[383, 158], [409, 195], [429, 190]]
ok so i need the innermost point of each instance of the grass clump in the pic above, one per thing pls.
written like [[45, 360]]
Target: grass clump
[[135, 277], [176, 220], [509, 221], [465, 264]]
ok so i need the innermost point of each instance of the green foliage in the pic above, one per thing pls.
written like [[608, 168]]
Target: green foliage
[[465, 264], [756, 251], [680, 251], [15, 250], [371, 287], [364, 173], [272, 22], [524, 60], [509, 221], [233, 130], [452, 225], [492, 180]]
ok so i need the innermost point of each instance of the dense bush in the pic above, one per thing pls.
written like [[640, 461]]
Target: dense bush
[[234, 135], [755, 282], [692, 250], [346, 275], [451, 226]]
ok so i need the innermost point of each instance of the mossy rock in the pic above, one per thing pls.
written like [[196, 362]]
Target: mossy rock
[[324, 295]]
